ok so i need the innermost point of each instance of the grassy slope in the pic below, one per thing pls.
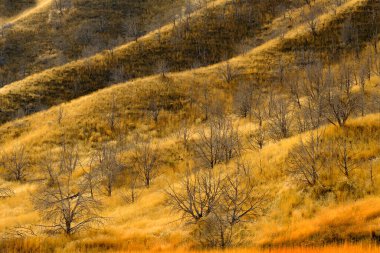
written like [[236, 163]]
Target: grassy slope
[[132, 98], [294, 218], [154, 226], [135, 59], [41, 38], [140, 58], [15, 8]]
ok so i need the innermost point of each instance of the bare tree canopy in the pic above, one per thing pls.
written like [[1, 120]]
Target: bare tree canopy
[[146, 160], [306, 160], [198, 194], [217, 205], [16, 163], [109, 165], [66, 206], [218, 142]]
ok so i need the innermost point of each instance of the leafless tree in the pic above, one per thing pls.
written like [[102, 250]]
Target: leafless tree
[[47, 165], [258, 110], [376, 64], [154, 109], [184, 134], [145, 159], [16, 163], [204, 101], [257, 138], [344, 156], [240, 202], [66, 206], [228, 72], [342, 101], [217, 205], [306, 160], [92, 178], [315, 85], [218, 142], [281, 120], [294, 83], [341, 108], [362, 82], [60, 115], [112, 116], [196, 196], [109, 166], [132, 186], [311, 18], [243, 99], [162, 68]]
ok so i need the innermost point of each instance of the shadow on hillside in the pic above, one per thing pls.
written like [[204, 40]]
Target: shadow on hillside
[[9, 8]]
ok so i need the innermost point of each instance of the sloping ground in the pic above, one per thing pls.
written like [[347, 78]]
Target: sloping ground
[[349, 222], [200, 39], [12, 8], [89, 114], [150, 224], [49, 35]]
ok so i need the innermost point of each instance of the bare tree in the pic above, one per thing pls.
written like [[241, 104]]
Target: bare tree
[[196, 196], [240, 202], [184, 134], [306, 160], [316, 84], [66, 206], [162, 68], [376, 64], [257, 138], [92, 178], [344, 156], [228, 72], [16, 163], [204, 101], [362, 82], [281, 120], [132, 184], [342, 101], [217, 205], [109, 166], [60, 115], [154, 109], [61, 5], [243, 99], [146, 160], [311, 18], [218, 142], [258, 110], [112, 116], [294, 83]]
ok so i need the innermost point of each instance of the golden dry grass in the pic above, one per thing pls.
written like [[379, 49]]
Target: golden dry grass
[[295, 217], [41, 84]]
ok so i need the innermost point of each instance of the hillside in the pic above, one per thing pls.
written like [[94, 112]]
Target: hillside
[[151, 54], [240, 124], [12, 8], [52, 33]]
